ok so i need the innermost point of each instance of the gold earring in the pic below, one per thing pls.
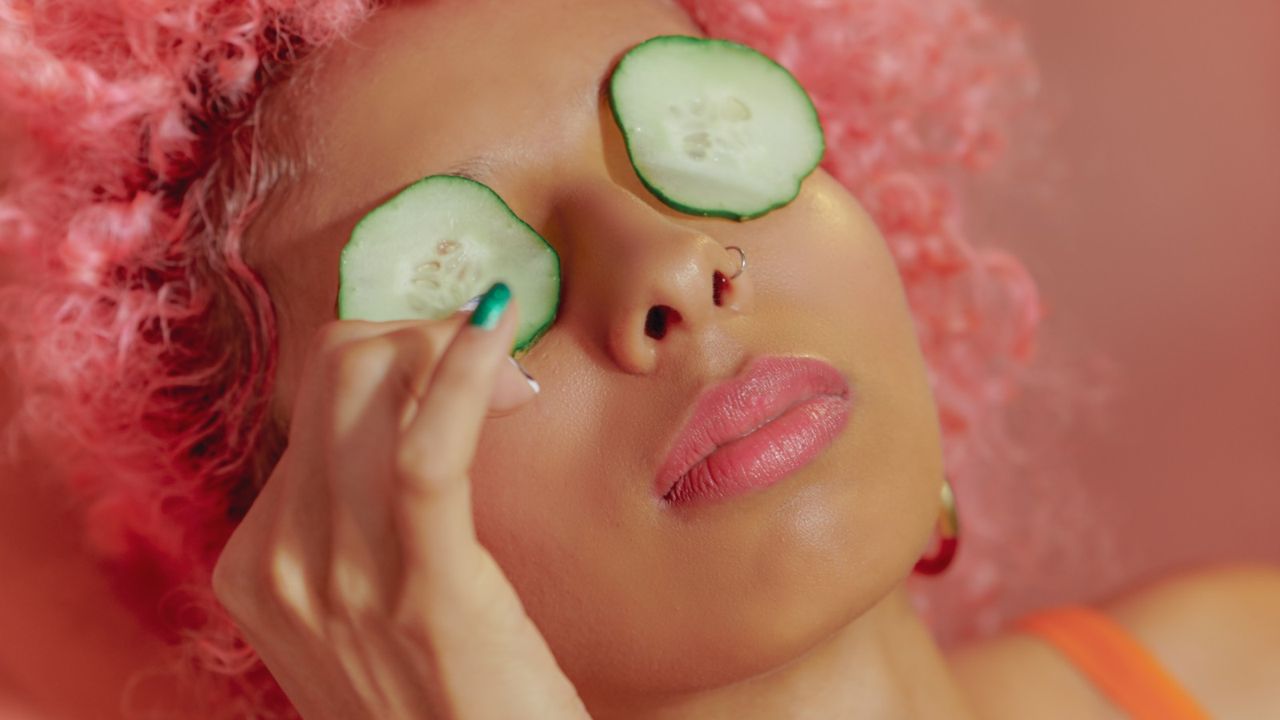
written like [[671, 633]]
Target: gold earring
[[948, 535]]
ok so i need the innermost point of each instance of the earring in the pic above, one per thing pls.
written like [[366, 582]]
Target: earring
[[948, 536]]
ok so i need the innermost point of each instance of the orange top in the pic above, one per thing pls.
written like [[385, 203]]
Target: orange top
[[1121, 668]]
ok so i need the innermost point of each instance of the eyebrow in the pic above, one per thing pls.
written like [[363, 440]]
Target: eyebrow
[[475, 168]]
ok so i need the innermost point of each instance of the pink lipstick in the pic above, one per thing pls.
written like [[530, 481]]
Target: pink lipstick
[[753, 430]]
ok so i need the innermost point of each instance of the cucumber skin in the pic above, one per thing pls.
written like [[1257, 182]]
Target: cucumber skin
[[672, 202], [519, 348]]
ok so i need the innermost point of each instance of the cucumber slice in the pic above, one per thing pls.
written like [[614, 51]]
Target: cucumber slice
[[438, 243], [714, 127]]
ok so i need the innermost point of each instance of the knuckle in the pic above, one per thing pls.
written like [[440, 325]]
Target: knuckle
[[356, 361], [421, 472], [411, 464], [330, 336], [352, 591], [288, 588], [415, 616], [425, 338], [421, 347]]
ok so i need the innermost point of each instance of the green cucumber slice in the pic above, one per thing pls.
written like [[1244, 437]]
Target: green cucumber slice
[[439, 243], [714, 127]]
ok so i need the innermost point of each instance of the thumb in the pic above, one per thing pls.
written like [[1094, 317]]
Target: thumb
[[513, 388]]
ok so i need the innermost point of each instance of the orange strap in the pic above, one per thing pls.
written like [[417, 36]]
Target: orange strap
[[1124, 670]]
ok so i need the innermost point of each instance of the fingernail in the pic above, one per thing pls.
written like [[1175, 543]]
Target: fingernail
[[532, 383], [489, 311], [471, 304]]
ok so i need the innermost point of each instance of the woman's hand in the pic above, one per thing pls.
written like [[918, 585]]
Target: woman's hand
[[357, 575]]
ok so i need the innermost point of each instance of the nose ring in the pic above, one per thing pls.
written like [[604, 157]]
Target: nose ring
[[742, 263]]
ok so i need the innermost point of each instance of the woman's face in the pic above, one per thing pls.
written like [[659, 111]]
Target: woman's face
[[635, 596]]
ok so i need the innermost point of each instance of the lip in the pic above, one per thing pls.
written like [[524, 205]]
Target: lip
[[753, 430]]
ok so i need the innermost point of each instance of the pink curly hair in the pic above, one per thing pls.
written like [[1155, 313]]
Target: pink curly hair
[[143, 346]]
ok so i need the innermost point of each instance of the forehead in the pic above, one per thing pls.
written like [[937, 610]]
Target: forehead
[[423, 85]]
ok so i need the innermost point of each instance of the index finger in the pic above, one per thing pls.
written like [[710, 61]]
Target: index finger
[[438, 444]]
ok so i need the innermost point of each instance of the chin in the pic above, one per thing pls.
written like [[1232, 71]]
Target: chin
[[752, 635], [817, 574]]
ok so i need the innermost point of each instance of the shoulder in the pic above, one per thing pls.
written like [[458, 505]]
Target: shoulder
[[1012, 676], [1246, 595], [1217, 631]]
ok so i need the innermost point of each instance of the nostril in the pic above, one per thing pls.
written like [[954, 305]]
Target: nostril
[[660, 317], [718, 284]]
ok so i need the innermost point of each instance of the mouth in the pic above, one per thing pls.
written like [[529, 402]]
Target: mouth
[[755, 429]]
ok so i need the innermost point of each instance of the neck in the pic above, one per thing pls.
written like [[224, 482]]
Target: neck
[[883, 664]]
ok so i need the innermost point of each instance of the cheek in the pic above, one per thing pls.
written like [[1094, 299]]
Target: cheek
[[551, 505], [838, 270], [543, 490], [822, 266], [515, 486]]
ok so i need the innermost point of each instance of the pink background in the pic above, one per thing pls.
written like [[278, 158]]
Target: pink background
[[1156, 239]]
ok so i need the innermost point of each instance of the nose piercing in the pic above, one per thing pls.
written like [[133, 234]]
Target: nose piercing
[[742, 263]]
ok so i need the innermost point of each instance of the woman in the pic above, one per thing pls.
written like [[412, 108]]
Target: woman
[[401, 562]]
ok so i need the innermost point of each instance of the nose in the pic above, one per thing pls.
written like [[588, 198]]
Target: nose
[[637, 280]]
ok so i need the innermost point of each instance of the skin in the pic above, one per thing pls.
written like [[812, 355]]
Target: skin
[[597, 561], [784, 603]]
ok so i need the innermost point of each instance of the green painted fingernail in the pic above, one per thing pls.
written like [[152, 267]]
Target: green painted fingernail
[[492, 304]]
